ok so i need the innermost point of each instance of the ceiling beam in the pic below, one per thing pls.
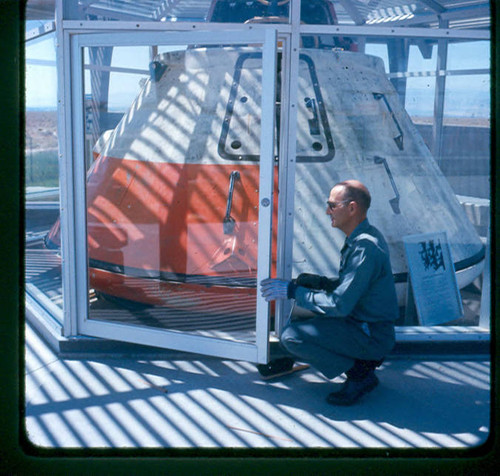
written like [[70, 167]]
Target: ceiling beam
[[434, 6], [352, 11], [462, 13], [44, 29], [165, 8], [376, 31], [40, 9], [117, 14]]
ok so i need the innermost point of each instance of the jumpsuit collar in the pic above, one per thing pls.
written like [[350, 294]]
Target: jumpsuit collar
[[361, 228]]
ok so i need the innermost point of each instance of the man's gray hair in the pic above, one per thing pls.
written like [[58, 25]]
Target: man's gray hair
[[360, 195]]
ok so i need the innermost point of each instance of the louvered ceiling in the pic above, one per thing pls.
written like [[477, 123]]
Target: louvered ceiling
[[460, 14]]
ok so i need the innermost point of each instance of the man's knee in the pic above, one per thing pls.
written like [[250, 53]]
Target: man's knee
[[290, 339]]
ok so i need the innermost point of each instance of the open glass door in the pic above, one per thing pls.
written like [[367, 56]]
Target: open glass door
[[178, 200]]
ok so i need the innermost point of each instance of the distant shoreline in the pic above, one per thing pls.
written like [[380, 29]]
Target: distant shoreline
[[454, 121], [41, 127]]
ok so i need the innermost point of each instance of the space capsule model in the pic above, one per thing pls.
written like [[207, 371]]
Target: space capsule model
[[173, 193]]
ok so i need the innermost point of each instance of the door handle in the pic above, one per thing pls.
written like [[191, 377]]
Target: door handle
[[314, 122], [399, 138], [229, 223], [394, 202]]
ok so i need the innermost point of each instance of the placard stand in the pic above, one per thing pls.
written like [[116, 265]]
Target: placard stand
[[432, 280], [411, 316]]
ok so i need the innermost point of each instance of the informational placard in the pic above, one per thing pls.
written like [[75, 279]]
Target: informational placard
[[432, 277]]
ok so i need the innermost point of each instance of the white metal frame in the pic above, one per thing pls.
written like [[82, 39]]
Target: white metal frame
[[45, 29], [72, 190], [287, 160], [73, 212], [400, 32], [87, 26]]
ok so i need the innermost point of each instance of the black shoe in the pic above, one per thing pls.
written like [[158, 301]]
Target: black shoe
[[353, 390], [343, 388], [276, 366]]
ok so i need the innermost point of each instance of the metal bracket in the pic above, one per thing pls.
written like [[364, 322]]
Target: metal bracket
[[156, 70], [399, 138], [229, 223], [314, 122], [393, 201]]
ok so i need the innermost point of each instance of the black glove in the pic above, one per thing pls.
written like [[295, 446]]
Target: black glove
[[314, 281]]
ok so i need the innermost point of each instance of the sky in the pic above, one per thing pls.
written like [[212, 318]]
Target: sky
[[467, 95]]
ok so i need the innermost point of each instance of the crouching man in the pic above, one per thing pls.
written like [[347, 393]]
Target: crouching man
[[353, 327]]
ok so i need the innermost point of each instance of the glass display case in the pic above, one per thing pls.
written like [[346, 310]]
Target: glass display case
[[43, 276], [198, 141]]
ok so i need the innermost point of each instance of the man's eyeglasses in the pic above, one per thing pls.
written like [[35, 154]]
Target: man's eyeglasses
[[333, 205]]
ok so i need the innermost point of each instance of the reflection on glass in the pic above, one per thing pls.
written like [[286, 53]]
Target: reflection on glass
[[466, 150], [217, 11], [422, 58], [468, 54], [172, 225], [468, 96], [253, 11], [419, 99], [42, 265], [376, 142]]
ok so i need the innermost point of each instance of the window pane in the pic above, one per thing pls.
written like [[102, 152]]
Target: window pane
[[469, 55], [172, 216], [468, 96], [377, 143], [219, 11], [43, 264], [420, 98]]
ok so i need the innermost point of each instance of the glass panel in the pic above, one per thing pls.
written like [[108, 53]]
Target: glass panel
[[422, 57], [43, 264], [318, 12], [172, 224], [468, 96], [239, 139], [253, 11], [465, 159], [314, 137], [379, 50], [420, 88], [376, 142], [469, 54], [466, 146], [217, 11], [420, 98]]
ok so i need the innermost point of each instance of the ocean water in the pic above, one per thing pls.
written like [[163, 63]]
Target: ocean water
[[419, 102], [458, 103]]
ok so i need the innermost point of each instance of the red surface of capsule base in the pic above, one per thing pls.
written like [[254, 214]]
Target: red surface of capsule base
[[156, 230]]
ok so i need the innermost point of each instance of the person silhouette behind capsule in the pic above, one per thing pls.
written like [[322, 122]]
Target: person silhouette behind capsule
[[352, 328]]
